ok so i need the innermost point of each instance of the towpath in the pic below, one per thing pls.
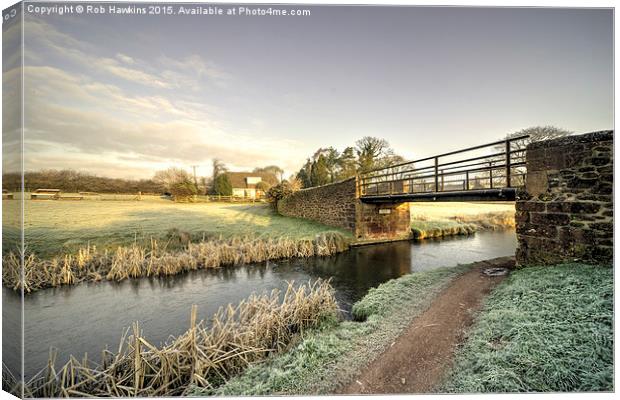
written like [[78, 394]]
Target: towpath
[[417, 361]]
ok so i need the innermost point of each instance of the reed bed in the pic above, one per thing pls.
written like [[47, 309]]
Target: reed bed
[[155, 260], [202, 357]]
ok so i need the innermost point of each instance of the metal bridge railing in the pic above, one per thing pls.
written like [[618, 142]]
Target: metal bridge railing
[[490, 166]]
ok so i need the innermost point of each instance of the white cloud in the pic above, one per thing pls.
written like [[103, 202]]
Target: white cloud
[[190, 73], [125, 58], [71, 119]]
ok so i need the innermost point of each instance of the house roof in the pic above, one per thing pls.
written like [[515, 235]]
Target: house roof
[[238, 179]]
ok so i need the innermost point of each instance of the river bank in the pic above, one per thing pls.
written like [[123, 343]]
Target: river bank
[[333, 354], [135, 261], [57, 228], [195, 236], [161, 304], [544, 329]]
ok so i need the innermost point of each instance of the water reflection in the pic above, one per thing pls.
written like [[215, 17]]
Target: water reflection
[[87, 317]]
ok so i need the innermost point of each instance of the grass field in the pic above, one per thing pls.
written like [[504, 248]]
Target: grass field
[[545, 329], [58, 227]]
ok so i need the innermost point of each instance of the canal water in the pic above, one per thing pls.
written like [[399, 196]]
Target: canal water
[[88, 317]]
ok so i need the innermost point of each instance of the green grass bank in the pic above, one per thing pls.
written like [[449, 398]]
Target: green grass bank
[[333, 354], [544, 329]]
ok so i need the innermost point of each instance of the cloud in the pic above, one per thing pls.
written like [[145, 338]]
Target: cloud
[[192, 69], [45, 40], [189, 73], [73, 121], [126, 59]]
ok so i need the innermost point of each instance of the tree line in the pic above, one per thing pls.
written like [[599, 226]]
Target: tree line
[[68, 180], [174, 181], [328, 165]]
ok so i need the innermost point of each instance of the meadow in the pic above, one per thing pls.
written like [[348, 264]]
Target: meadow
[[55, 228]]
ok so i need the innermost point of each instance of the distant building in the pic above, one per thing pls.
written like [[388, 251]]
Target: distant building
[[45, 194], [251, 185]]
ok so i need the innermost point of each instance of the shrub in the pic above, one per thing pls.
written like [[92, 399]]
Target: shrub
[[183, 191], [278, 192]]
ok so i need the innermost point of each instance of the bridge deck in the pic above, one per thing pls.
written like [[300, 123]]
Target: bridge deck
[[505, 194], [487, 172]]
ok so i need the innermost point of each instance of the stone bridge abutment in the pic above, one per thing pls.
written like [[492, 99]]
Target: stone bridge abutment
[[339, 205], [565, 211]]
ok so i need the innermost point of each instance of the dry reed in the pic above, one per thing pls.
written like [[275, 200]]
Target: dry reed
[[202, 357], [489, 221], [137, 261]]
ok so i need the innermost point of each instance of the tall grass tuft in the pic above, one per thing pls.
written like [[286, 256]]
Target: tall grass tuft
[[137, 261], [202, 357]]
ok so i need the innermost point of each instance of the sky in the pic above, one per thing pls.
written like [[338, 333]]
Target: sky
[[125, 95]]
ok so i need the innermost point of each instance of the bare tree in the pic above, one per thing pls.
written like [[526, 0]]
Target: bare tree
[[271, 169], [295, 183], [171, 176], [536, 134], [176, 181], [374, 152]]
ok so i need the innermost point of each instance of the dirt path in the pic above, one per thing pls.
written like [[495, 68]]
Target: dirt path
[[418, 359]]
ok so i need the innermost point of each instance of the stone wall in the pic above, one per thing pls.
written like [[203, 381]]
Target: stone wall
[[566, 210], [333, 204], [338, 205]]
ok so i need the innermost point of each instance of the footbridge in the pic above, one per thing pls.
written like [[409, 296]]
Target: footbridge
[[490, 171]]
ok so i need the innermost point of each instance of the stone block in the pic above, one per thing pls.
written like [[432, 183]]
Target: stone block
[[536, 182], [603, 226], [528, 229], [541, 218], [522, 217], [600, 161], [530, 206]]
